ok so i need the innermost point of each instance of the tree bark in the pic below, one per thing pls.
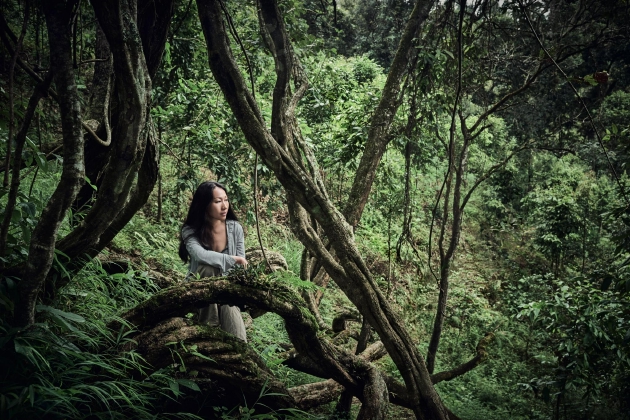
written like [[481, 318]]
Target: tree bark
[[42, 247], [98, 110], [40, 91], [345, 400], [235, 376], [263, 294], [119, 193], [378, 134], [459, 168], [306, 191], [154, 22]]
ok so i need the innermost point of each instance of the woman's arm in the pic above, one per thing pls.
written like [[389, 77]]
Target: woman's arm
[[240, 240], [204, 256]]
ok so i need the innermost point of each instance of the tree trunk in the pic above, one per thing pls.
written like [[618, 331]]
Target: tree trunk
[[305, 190], [131, 169], [40, 91], [42, 246], [261, 294]]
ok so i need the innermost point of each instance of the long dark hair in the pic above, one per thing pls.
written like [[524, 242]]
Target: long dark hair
[[197, 214]]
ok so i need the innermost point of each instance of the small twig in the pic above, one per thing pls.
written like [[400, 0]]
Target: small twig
[[171, 151], [93, 60], [30, 189]]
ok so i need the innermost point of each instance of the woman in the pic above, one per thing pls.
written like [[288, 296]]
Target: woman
[[214, 242]]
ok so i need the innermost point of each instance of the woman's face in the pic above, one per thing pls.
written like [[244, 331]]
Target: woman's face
[[218, 207]]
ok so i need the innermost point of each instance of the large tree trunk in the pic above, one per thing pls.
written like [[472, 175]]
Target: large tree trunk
[[153, 319], [235, 369], [235, 375], [306, 191], [42, 246], [127, 167], [128, 171], [154, 19], [132, 93]]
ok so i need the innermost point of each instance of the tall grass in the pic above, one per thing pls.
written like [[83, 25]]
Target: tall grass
[[70, 365]]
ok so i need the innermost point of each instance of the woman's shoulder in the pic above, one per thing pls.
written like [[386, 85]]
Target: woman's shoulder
[[187, 231], [235, 224]]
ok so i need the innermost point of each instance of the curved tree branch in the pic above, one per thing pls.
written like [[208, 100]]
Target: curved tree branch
[[39, 92], [355, 279], [43, 239], [227, 371], [263, 293], [480, 357]]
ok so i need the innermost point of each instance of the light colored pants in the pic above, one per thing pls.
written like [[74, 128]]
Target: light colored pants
[[227, 317]]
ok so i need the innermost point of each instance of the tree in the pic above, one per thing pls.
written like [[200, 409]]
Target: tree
[[123, 168], [127, 168]]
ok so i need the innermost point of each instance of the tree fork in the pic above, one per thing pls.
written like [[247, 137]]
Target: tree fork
[[356, 282], [137, 48]]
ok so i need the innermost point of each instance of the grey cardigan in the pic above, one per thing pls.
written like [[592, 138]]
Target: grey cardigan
[[200, 255]]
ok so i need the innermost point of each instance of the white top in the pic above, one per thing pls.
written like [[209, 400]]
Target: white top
[[200, 255]]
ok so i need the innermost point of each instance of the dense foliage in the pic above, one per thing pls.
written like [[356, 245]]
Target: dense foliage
[[508, 147]]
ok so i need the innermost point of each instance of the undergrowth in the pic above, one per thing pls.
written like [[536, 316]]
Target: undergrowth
[[70, 365]]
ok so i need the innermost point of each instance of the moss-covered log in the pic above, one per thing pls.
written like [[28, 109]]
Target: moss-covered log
[[235, 375], [154, 322], [237, 370]]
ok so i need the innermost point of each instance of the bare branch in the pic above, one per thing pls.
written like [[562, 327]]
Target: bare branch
[[18, 46], [579, 98], [490, 171]]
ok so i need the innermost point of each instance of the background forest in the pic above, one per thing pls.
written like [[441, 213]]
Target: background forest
[[442, 184]]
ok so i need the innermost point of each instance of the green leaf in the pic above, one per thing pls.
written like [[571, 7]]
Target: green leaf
[[590, 80], [39, 157], [201, 356], [67, 315], [87, 181], [65, 325], [189, 384], [174, 386]]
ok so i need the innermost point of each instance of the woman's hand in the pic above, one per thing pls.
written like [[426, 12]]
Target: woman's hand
[[240, 260]]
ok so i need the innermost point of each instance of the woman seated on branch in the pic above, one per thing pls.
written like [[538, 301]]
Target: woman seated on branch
[[213, 240]]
